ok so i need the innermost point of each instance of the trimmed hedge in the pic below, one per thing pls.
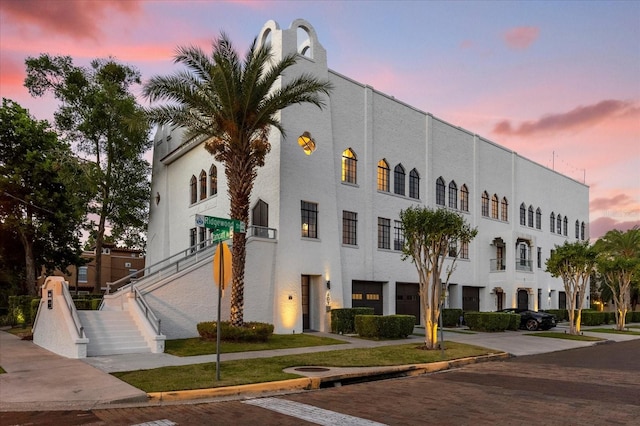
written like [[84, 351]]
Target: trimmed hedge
[[250, 332], [343, 319], [23, 309], [635, 316], [490, 321], [561, 314], [451, 317], [593, 318], [90, 304], [384, 327]]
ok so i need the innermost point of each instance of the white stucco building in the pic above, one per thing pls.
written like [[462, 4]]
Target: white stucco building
[[324, 229]]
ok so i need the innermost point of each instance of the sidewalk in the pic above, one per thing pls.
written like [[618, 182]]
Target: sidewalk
[[40, 380]]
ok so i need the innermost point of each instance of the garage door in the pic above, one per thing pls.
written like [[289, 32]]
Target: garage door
[[470, 299], [367, 294]]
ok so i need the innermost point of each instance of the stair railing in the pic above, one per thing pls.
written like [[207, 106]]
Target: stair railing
[[148, 313], [72, 311]]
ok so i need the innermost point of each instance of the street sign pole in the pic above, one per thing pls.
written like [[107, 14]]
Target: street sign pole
[[218, 332]]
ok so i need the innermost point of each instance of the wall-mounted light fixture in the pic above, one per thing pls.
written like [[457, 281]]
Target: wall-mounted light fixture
[[328, 284], [157, 198], [290, 297], [307, 143]]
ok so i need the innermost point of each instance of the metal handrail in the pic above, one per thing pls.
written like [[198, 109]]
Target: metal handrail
[[73, 312], [154, 321]]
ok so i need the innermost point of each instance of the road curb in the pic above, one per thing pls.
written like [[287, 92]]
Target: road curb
[[312, 383]]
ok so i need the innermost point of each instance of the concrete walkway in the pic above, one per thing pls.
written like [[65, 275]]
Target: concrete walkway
[[37, 379]]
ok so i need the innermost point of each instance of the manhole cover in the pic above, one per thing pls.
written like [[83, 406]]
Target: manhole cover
[[311, 369]]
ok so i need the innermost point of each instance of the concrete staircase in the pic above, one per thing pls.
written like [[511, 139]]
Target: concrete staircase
[[112, 332]]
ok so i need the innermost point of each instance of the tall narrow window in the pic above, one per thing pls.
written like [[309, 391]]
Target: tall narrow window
[[539, 257], [202, 234], [565, 224], [538, 218], [453, 248], [504, 209], [414, 184], [485, 204], [194, 189], [440, 191], [453, 195], [384, 231], [582, 231], [193, 239], [203, 185], [398, 179], [464, 250], [494, 206], [349, 228], [83, 274], [530, 217], [552, 222], [398, 235], [260, 219], [577, 229], [559, 224], [383, 176], [309, 216], [213, 180], [464, 198], [349, 166], [523, 214]]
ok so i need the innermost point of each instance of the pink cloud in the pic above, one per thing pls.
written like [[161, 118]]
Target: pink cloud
[[466, 44], [81, 19], [601, 225], [521, 37], [578, 118], [619, 202]]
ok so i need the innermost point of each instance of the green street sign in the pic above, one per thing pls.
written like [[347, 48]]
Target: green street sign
[[220, 224]]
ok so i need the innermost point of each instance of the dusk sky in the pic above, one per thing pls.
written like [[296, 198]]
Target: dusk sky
[[557, 82]]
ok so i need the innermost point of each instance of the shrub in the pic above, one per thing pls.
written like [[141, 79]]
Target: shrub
[[561, 314], [343, 319], [249, 332], [488, 321], [514, 322], [451, 317], [635, 316], [384, 327], [592, 318], [21, 311]]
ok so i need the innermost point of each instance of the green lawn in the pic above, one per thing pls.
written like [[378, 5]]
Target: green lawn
[[612, 331], [566, 336], [197, 346], [261, 370]]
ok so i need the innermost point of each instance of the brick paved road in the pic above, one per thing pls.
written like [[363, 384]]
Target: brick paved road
[[589, 386]]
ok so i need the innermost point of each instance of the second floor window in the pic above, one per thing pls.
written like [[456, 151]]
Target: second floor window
[[193, 184], [504, 210], [414, 184], [453, 195], [494, 206], [464, 198], [83, 274], [398, 235], [523, 215], [538, 218], [349, 166], [383, 176], [530, 217], [384, 231], [485, 204], [398, 180], [203, 185], [213, 180], [349, 227], [440, 191], [309, 216]]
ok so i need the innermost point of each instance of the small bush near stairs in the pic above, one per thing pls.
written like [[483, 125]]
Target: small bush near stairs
[[250, 332]]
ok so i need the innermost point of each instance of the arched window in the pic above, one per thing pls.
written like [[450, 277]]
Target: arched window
[[464, 198], [552, 222], [194, 189], [530, 217], [523, 214], [213, 180], [559, 224], [504, 209], [414, 184], [494, 206], [260, 219], [485, 204], [538, 218], [440, 191], [565, 224], [453, 195], [349, 166], [577, 229], [203, 185], [398, 179], [582, 231], [383, 175]]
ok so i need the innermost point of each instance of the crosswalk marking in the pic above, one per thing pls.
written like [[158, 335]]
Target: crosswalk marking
[[310, 413]]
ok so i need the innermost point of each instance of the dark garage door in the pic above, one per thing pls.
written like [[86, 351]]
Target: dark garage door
[[367, 294], [470, 299], [408, 300]]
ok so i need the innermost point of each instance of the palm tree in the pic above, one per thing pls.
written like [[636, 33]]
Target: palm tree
[[232, 106]]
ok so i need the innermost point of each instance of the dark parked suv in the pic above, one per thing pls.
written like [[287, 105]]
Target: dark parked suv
[[533, 320]]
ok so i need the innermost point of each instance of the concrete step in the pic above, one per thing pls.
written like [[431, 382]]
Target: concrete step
[[112, 332]]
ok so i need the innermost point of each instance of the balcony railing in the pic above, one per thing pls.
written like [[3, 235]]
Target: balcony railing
[[497, 265], [524, 265]]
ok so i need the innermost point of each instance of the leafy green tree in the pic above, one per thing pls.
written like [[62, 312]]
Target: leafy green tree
[[574, 263], [43, 194], [232, 105], [433, 237], [102, 118], [619, 264]]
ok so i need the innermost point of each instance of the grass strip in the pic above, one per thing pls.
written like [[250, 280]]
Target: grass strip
[[196, 346], [566, 336], [613, 331], [247, 371]]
